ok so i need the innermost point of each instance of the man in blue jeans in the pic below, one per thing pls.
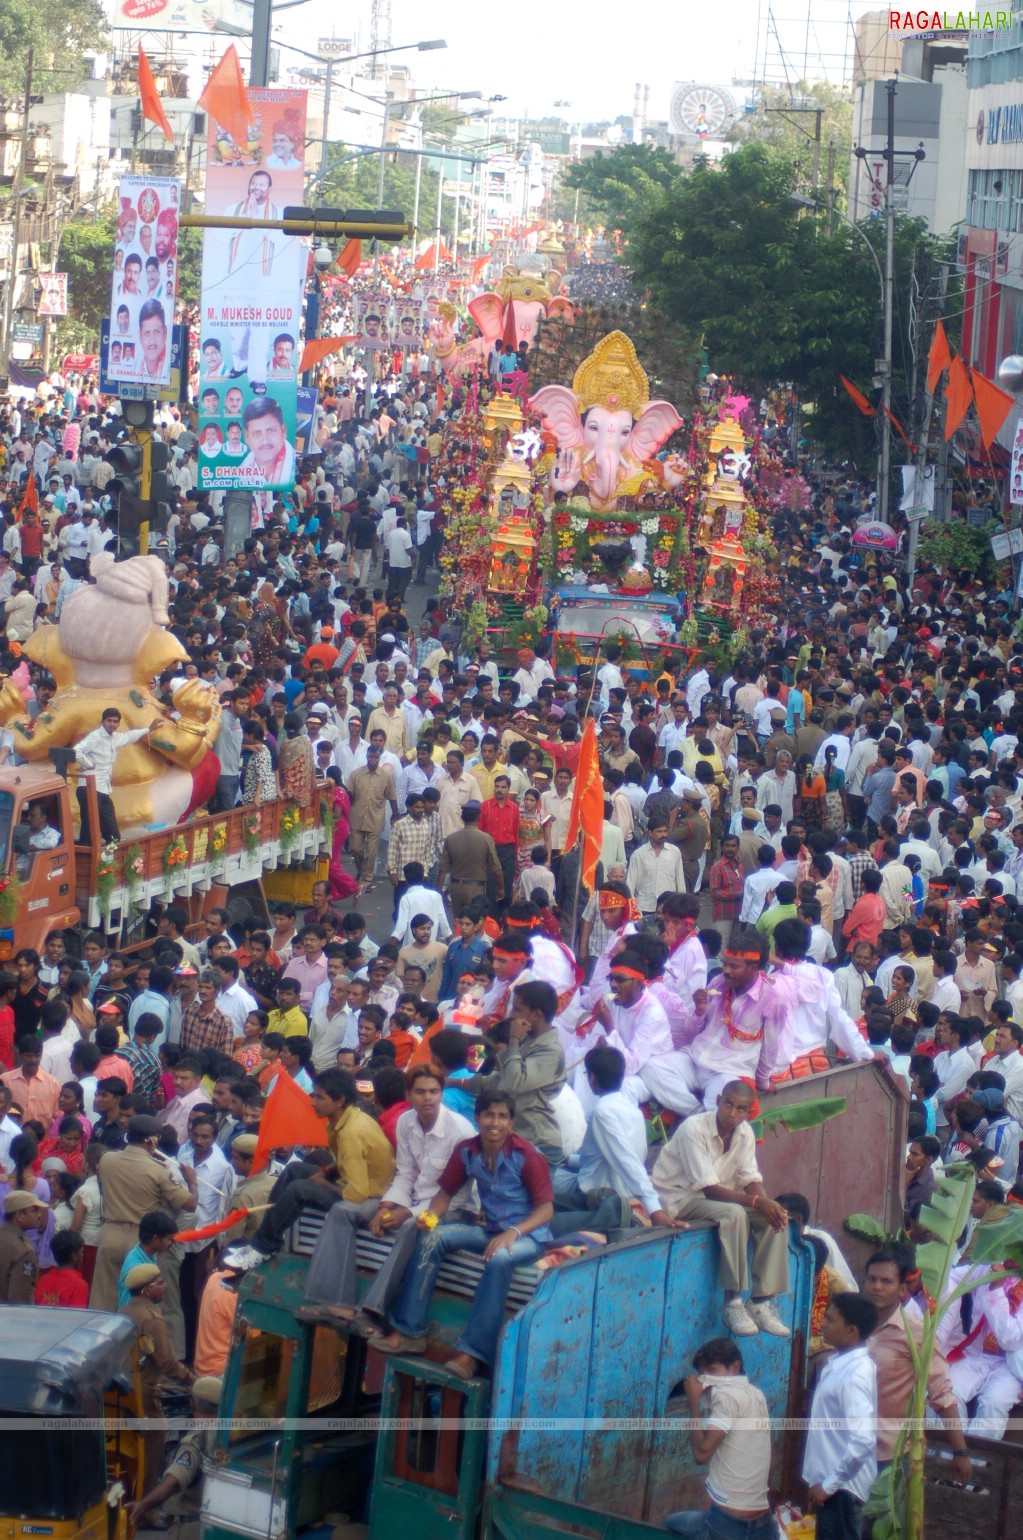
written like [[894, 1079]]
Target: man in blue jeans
[[514, 1185], [731, 1435]]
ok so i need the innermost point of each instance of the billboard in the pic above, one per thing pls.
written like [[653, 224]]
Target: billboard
[[176, 388], [181, 15], [408, 324], [1016, 470], [373, 319], [53, 295], [144, 283], [252, 283]]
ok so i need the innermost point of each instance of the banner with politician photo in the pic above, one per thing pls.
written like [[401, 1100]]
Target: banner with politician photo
[[408, 325], [251, 307], [145, 281], [373, 315]]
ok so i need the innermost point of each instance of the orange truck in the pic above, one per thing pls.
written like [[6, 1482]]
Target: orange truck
[[110, 888]]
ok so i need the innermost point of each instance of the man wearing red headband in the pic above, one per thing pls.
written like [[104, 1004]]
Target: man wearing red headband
[[512, 955], [620, 916], [818, 1013], [637, 1025], [552, 961], [744, 1023]]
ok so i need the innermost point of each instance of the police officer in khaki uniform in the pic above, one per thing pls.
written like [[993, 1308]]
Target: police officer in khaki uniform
[[147, 1287], [133, 1182], [180, 1485], [252, 1192], [19, 1266]]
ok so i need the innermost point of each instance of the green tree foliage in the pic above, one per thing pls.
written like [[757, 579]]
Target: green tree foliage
[[790, 132], [668, 353], [56, 32], [621, 187], [728, 254]]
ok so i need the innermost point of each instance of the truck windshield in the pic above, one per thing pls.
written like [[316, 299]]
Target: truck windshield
[[267, 1362]]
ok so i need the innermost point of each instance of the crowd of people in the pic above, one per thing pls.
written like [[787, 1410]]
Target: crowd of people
[[812, 852]]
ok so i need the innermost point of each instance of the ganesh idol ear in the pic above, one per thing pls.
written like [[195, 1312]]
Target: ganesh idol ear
[[560, 408], [487, 311], [562, 309], [656, 422]]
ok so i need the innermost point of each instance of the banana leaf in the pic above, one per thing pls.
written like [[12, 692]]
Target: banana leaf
[[1001, 1241], [945, 1216], [871, 1229], [799, 1115]]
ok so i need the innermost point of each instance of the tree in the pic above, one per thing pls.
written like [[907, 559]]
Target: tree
[[783, 122], [727, 253], [621, 187], [55, 32], [352, 181]]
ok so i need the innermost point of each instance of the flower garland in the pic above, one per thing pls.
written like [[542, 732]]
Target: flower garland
[[106, 877], [253, 828], [10, 898], [290, 827], [134, 871], [328, 818], [175, 856]]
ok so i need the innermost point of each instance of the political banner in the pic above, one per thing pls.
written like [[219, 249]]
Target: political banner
[[53, 295], [373, 319], [181, 15], [252, 283], [176, 388], [305, 444], [1016, 472], [408, 324], [145, 280]]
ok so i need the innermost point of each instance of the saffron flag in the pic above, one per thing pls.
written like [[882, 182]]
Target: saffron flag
[[477, 268], [900, 430], [288, 1119], [430, 258], [226, 100], [30, 498], [318, 348], [351, 258], [938, 358], [152, 107], [858, 396], [958, 395], [993, 406], [237, 1216], [510, 337], [587, 814]]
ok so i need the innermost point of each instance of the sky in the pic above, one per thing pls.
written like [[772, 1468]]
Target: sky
[[592, 56]]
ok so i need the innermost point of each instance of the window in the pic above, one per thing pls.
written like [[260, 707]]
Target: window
[[266, 1373]]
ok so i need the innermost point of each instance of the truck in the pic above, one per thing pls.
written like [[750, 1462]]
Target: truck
[[110, 888], [576, 1430], [581, 623]]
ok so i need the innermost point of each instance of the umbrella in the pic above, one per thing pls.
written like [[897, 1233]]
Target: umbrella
[[880, 537]]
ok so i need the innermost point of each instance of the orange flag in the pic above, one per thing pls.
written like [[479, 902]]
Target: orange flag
[[30, 499], [938, 358], [477, 268], [858, 396], [288, 1119], [318, 348], [958, 395], [226, 100], [993, 406], [152, 107], [900, 430], [587, 814], [351, 258]]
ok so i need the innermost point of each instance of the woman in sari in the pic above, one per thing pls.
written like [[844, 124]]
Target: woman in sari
[[267, 628], [296, 768], [342, 884]]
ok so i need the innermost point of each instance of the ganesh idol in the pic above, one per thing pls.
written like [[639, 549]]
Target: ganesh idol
[[608, 430], [110, 643]]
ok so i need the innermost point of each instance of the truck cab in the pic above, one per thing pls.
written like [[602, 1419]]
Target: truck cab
[[44, 880], [574, 1431]]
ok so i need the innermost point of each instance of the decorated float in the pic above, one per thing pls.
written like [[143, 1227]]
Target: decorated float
[[590, 516], [511, 312]]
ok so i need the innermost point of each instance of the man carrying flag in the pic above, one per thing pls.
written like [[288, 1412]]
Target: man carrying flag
[[362, 1168]]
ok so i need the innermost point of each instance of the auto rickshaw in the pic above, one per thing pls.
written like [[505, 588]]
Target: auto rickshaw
[[64, 1374]]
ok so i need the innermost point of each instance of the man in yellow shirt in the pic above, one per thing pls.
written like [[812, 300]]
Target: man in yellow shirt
[[361, 1173], [289, 1018]]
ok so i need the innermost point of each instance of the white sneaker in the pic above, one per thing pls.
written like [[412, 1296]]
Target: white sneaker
[[737, 1320], [766, 1317], [244, 1258]]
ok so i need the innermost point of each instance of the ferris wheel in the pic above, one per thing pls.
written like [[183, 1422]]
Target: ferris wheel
[[706, 112]]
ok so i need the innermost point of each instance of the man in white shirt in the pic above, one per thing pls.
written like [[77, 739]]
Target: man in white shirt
[[855, 977], [427, 1136], [758, 887], [778, 786], [655, 868], [1008, 1062], [954, 1065], [96, 754], [399, 555], [840, 740], [840, 1459], [919, 844], [419, 899], [232, 998]]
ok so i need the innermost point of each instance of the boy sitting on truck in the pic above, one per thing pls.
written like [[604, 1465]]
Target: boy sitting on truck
[[514, 1185]]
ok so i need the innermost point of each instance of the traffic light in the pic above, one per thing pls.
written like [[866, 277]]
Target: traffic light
[[161, 487], [128, 462]]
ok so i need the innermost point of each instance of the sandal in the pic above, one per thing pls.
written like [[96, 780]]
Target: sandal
[[324, 1315], [365, 1326]]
